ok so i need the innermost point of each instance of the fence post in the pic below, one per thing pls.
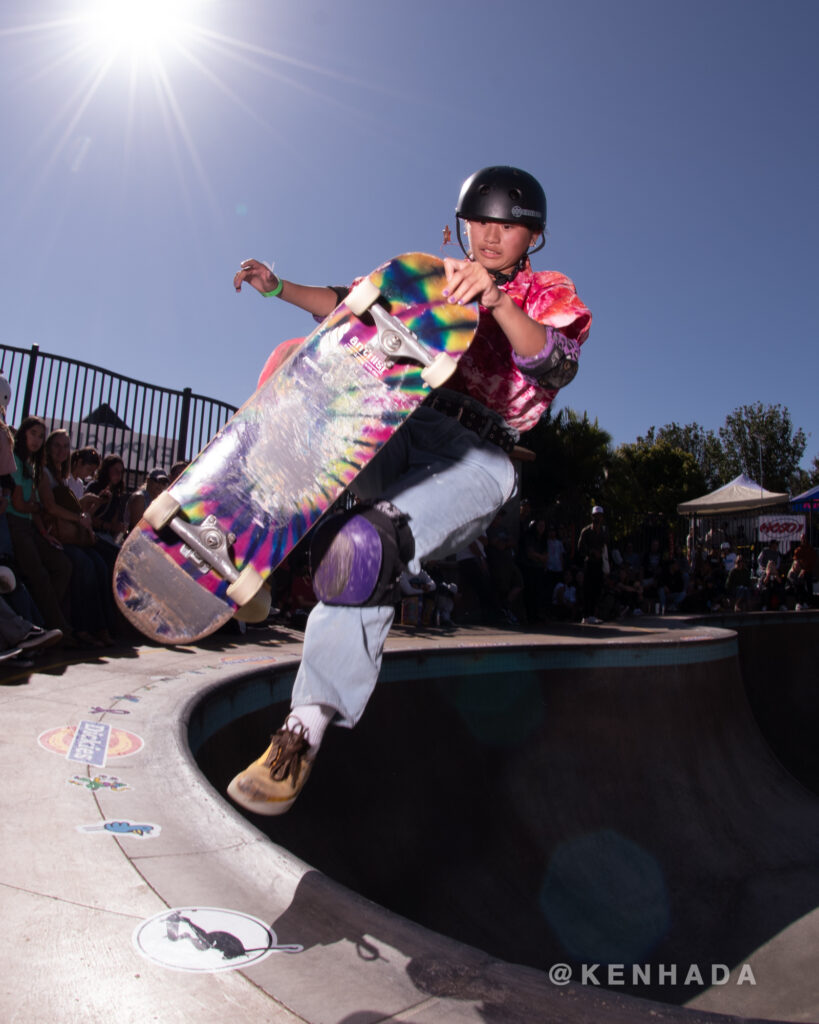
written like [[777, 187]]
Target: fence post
[[32, 363], [184, 416]]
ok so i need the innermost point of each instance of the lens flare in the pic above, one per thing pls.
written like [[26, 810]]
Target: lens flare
[[142, 27]]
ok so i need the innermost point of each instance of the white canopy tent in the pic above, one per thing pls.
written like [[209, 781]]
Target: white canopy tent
[[740, 495]]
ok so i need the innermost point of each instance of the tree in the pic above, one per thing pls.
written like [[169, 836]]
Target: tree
[[761, 442], [572, 454], [652, 477], [800, 482], [803, 479], [700, 443]]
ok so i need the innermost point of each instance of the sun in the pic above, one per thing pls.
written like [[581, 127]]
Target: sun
[[141, 28]]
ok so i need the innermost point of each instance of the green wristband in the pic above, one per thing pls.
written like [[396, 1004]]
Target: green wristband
[[276, 291]]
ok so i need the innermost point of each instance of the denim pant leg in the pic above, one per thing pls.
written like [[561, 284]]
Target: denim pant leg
[[451, 485]]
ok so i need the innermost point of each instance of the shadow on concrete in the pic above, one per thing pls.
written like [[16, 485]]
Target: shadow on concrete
[[627, 814]]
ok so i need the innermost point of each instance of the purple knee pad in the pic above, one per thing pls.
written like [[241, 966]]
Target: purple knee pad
[[358, 556]]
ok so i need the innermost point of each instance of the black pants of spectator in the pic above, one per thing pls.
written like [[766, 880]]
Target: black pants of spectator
[[472, 577], [592, 585], [45, 569]]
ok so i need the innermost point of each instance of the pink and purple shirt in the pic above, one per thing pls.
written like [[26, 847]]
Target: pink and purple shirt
[[487, 370]]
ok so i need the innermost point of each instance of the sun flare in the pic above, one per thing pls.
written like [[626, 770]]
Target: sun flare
[[138, 27]]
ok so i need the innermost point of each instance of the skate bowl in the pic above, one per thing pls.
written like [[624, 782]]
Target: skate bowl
[[615, 812]]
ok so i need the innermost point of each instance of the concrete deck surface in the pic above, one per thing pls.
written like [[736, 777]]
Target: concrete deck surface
[[71, 900]]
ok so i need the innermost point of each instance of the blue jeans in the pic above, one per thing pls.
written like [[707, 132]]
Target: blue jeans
[[451, 484]]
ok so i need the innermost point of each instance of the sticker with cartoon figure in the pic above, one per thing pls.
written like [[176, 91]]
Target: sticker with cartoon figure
[[206, 939], [99, 781], [133, 829]]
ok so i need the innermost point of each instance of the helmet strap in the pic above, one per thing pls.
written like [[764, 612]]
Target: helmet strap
[[464, 249]]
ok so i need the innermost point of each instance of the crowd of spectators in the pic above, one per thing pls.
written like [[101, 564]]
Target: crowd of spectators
[[63, 516], [605, 580], [546, 571]]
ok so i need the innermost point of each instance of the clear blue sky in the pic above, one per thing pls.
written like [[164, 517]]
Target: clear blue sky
[[678, 145]]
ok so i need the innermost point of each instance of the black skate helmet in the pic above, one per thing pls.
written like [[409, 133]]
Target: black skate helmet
[[504, 194]]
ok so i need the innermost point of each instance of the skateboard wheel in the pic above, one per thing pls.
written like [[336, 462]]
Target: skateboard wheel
[[257, 608], [161, 511], [246, 586], [362, 297], [439, 370]]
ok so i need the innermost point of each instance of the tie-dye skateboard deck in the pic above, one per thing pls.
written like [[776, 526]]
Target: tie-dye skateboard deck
[[205, 547]]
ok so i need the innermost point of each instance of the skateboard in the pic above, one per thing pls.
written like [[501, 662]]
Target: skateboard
[[204, 548]]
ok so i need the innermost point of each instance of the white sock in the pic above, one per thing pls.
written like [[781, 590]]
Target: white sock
[[315, 718]]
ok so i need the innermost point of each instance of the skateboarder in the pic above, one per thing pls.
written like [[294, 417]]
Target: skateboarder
[[440, 481]]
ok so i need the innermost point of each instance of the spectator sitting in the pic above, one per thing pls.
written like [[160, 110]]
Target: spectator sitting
[[155, 483], [45, 568], [805, 568], [628, 590], [769, 553], [695, 600], [608, 607], [713, 573], [770, 589], [91, 603], [415, 589], [17, 635], [797, 592], [109, 483], [445, 603], [671, 589], [632, 559], [13, 589], [684, 564], [729, 556], [84, 464], [652, 563], [564, 598], [738, 585]]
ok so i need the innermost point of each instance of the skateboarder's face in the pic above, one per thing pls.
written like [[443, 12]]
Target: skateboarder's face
[[498, 246]]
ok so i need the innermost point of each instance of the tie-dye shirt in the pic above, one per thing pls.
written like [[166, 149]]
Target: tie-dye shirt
[[487, 370]]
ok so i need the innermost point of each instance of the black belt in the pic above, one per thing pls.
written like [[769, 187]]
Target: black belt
[[480, 421]]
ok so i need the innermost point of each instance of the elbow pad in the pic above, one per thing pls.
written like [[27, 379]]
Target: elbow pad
[[556, 364]]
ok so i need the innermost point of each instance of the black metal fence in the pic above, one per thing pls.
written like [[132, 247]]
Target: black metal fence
[[146, 424]]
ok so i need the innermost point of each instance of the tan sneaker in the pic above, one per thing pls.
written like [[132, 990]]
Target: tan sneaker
[[271, 784]]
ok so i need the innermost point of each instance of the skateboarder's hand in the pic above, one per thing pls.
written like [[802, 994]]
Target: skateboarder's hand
[[467, 281], [257, 274]]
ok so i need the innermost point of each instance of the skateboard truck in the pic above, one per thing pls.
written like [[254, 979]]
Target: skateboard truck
[[207, 545], [396, 340]]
